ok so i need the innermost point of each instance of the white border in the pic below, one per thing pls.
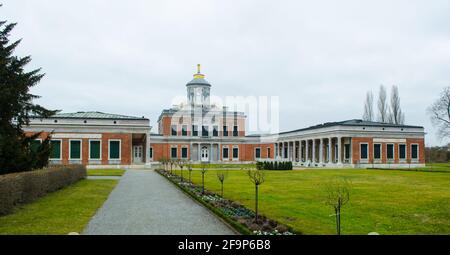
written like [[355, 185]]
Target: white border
[[109, 149], [171, 147], [360, 152], [187, 152], [232, 154], [393, 153], [381, 152], [81, 149], [260, 153], [406, 153], [89, 142], [176, 130], [418, 152], [223, 131], [228, 148], [60, 149]]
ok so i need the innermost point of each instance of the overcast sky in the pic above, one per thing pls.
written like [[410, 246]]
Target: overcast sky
[[320, 57]]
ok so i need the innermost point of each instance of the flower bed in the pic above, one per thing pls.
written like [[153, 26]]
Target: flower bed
[[238, 216]]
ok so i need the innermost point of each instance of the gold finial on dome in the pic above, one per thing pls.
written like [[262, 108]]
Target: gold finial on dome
[[198, 74]]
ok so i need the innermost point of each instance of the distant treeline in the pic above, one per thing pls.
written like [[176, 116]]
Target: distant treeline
[[437, 154]]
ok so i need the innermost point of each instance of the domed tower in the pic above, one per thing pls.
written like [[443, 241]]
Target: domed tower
[[198, 90]]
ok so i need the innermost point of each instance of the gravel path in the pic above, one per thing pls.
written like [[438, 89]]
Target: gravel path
[[145, 203]]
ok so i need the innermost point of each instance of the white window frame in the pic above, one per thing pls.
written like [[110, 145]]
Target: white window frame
[[176, 130], [187, 152], [393, 153], [172, 147], [60, 149], [212, 131], [223, 131], [232, 154], [81, 149], [89, 142], [381, 152], [360, 153], [228, 148], [187, 129], [109, 149], [259, 152], [418, 152], [406, 152]]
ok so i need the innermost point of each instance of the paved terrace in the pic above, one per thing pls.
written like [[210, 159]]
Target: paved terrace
[[145, 203]]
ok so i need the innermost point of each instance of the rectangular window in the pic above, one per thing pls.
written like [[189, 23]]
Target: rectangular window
[[225, 131], [194, 130], [377, 151], [75, 149], [94, 149], [225, 153], [402, 151], [151, 152], [56, 149], [235, 131], [34, 145], [235, 153], [184, 152], [174, 130], [268, 153], [205, 131], [173, 152], [215, 131], [364, 152], [414, 151], [258, 153], [114, 149], [184, 130], [390, 151]]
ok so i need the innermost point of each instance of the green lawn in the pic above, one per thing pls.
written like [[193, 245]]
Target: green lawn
[[388, 202], [105, 172], [61, 212]]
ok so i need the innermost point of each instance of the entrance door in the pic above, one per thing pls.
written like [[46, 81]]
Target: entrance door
[[205, 154], [137, 153]]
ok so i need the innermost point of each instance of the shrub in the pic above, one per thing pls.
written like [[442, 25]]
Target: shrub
[[270, 165], [25, 187]]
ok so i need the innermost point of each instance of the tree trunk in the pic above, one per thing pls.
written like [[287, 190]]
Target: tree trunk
[[203, 183], [256, 202]]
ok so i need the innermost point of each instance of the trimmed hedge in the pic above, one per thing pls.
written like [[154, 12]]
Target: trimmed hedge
[[274, 165], [25, 187]]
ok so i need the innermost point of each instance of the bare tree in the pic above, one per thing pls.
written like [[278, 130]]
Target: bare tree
[[222, 175], [368, 107], [181, 164], [440, 113], [257, 178], [396, 116], [204, 169], [189, 167], [382, 105], [338, 195]]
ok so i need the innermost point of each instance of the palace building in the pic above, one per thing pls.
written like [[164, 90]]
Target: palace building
[[200, 131]]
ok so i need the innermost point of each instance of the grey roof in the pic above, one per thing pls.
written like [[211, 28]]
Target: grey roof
[[198, 81], [354, 122], [95, 115]]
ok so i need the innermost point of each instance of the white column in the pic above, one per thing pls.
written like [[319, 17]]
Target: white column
[[147, 148], [307, 150], [339, 150], [321, 151], [314, 150], [330, 157]]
